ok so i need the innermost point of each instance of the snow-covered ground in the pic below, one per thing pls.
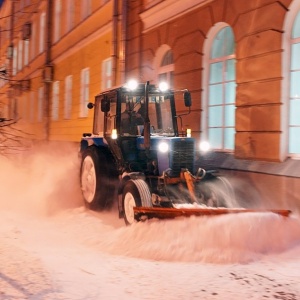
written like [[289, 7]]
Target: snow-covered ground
[[52, 248]]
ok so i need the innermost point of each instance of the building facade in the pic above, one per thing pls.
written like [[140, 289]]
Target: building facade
[[57, 55], [239, 59]]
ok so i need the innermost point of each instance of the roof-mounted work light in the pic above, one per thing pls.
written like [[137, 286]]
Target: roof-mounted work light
[[163, 86], [132, 84]]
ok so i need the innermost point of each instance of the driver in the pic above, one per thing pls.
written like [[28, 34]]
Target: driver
[[130, 119]]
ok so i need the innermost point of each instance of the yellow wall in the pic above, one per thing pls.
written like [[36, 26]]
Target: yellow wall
[[90, 56], [86, 45]]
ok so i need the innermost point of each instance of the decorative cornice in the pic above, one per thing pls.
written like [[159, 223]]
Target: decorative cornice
[[167, 10]]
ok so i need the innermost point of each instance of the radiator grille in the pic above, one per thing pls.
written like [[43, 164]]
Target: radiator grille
[[182, 155]]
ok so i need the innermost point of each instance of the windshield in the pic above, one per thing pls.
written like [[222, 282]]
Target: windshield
[[133, 115], [160, 116]]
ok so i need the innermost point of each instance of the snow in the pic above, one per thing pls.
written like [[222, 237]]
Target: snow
[[51, 247]]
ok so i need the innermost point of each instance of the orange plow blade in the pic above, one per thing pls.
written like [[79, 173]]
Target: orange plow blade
[[170, 213]]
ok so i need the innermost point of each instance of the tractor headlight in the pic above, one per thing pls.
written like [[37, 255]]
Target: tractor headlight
[[163, 86], [189, 132], [114, 134], [204, 146], [163, 147]]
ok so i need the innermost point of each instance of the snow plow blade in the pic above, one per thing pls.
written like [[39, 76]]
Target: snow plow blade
[[170, 213]]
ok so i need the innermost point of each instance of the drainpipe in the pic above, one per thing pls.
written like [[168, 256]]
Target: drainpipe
[[47, 83], [147, 120], [123, 43], [11, 98], [115, 42]]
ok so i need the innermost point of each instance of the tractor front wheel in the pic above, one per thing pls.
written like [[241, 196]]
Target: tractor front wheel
[[135, 193]]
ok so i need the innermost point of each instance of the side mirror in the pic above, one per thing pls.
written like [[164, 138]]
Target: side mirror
[[105, 105], [187, 98], [90, 105]]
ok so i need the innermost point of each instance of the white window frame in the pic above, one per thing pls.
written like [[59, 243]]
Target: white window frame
[[206, 62], [159, 55], [168, 70], [7, 28], [20, 55], [70, 15], [86, 9], [106, 74], [40, 111], [33, 44], [26, 52], [84, 92], [285, 83], [68, 97], [15, 60], [57, 20], [55, 100], [42, 32]]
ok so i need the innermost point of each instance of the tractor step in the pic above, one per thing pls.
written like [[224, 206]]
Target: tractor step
[[170, 213]]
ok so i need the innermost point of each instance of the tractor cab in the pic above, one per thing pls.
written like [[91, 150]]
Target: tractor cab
[[126, 110], [137, 119]]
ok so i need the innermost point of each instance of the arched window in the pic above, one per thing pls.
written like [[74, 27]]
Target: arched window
[[221, 90], [166, 69], [294, 99]]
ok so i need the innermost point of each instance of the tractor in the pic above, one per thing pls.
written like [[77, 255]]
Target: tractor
[[137, 156]]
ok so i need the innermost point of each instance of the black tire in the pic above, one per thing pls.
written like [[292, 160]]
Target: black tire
[[135, 193], [97, 179]]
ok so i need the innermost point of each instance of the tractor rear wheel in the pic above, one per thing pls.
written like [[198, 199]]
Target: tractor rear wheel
[[97, 184], [135, 193]]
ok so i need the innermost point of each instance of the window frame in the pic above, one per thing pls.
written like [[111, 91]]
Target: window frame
[[15, 61], [86, 9], [20, 55], [42, 32], [70, 15], [33, 44], [107, 74], [26, 52], [167, 69], [289, 20], [57, 20], [84, 92], [206, 105], [68, 97], [55, 101]]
